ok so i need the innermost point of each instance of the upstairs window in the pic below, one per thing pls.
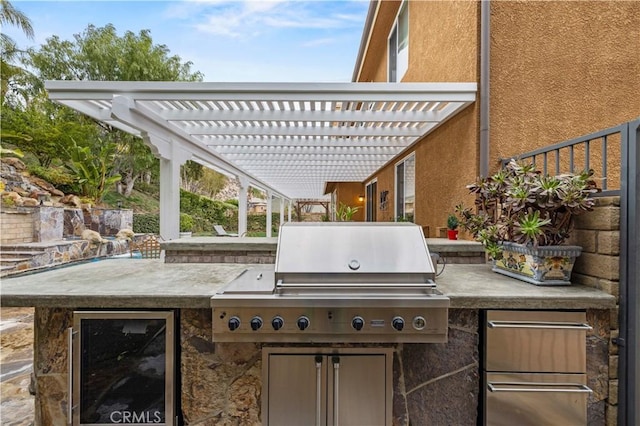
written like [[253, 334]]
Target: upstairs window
[[399, 45]]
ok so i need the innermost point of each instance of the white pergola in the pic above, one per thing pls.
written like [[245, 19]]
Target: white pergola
[[287, 139]]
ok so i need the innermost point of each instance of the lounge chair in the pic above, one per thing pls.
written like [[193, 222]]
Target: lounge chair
[[221, 232]]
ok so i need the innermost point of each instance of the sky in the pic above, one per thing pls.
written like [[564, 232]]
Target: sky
[[228, 41]]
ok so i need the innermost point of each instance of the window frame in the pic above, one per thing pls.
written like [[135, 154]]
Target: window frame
[[370, 206], [400, 62], [411, 156]]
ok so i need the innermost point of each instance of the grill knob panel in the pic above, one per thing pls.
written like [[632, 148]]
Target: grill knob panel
[[277, 323], [357, 323], [234, 323], [256, 323], [397, 323], [303, 323]]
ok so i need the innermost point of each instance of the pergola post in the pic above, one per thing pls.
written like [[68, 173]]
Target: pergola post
[[269, 211], [289, 212], [282, 200], [242, 206], [170, 191]]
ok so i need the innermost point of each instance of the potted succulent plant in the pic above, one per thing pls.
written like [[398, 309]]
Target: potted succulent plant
[[452, 227], [522, 217]]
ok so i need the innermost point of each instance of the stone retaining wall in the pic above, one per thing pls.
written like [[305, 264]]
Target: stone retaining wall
[[598, 232], [17, 226], [222, 256]]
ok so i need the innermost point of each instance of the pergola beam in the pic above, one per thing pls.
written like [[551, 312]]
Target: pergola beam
[[286, 138]]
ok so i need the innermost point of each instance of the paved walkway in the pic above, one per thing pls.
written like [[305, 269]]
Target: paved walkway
[[16, 363]]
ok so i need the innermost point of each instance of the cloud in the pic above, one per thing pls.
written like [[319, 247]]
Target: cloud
[[320, 42], [251, 18]]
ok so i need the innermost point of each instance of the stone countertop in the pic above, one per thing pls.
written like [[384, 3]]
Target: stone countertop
[[147, 283], [478, 287], [120, 283]]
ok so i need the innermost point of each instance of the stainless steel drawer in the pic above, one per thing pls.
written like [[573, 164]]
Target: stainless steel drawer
[[536, 399], [536, 341]]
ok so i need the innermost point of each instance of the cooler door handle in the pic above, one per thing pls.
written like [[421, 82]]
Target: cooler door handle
[[336, 387], [318, 389], [554, 325], [70, 406], [538, 387]]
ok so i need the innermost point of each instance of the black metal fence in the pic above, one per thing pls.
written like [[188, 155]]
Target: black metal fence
[[614, 154]]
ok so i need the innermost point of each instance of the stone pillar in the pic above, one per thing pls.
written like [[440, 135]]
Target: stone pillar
[[48, 224], [242, 206], [269, 211], [50, 360]]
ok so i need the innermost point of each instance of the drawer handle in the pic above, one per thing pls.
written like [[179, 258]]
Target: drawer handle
[[538, 387], [540, 324]]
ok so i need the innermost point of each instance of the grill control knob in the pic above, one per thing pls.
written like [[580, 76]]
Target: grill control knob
[[234, 323], [357, 323], [256, 323], [397, 323], [277, 323], [303, 323]]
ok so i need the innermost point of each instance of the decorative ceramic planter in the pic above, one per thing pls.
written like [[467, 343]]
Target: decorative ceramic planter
[[452, 234], [548, 265]]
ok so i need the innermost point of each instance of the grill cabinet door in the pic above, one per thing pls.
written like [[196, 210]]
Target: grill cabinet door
[[340, 390], [297, 390], [357, 390]]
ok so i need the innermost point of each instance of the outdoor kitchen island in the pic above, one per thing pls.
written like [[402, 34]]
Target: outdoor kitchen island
[[221, 383]]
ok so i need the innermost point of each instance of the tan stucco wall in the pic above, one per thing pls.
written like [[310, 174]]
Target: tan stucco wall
[[560, 70], [443, 47], [442, 173], [348, 193]]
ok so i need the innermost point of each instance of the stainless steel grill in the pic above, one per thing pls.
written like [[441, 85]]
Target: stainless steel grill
[[337, 282]]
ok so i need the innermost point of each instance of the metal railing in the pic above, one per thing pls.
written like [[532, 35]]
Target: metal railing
[[623, 143], [593, 151]]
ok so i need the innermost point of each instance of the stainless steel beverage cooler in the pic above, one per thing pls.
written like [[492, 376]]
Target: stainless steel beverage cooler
[[122, 368], [535, 368]]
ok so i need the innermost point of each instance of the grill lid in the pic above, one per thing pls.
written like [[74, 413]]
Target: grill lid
[[348, 252]]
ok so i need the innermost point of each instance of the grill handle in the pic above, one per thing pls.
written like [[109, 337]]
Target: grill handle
[[424, 286]]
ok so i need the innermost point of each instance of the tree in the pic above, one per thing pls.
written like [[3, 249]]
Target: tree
[[45, 129], [11, 75], [99, 53]]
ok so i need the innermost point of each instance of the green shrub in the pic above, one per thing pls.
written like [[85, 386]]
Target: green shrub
[[56, 176], [205, 211], [147, 223], [186, 223]]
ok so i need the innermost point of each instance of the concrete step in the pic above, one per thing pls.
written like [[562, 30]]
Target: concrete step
[[6, 269], [14, 260], [26, 247], [11, 254]]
